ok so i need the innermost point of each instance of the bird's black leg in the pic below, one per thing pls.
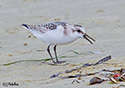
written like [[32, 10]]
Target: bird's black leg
[[57, 61], [50, 54], [55, 53]]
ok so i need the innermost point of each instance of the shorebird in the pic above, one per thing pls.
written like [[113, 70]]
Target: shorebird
[[58, 33]]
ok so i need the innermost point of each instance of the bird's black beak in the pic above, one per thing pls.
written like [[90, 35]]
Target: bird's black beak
[[87, 37]]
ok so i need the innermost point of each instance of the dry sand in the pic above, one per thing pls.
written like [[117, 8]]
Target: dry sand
[[104, 20]]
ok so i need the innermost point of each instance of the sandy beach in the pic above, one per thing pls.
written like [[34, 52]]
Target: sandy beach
[[104, 20]]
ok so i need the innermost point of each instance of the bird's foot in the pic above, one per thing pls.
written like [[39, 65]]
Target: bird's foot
[[59, 62]]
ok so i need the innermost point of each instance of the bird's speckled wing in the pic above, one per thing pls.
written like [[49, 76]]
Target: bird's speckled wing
[[45, 27]]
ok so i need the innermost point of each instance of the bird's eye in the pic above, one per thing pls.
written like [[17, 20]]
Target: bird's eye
[[78, 31]]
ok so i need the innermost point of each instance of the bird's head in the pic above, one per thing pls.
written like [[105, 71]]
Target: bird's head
[[80, 32]]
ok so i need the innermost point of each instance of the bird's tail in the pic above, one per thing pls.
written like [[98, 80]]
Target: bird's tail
[[26, 26], [33, 29]]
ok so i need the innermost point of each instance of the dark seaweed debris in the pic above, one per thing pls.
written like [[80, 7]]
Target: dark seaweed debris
[[89, 74], [55, 75], [99, 62], [79, 75], [75, 81], [103, 60], [96, 80], [85, 65]]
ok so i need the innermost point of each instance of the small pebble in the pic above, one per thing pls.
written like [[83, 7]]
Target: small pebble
[[100, 11], [10, 55], [25, 44], [57, 19], [29, 36]]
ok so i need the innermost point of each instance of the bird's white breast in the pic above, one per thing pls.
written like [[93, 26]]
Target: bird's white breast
[[56, 37]]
